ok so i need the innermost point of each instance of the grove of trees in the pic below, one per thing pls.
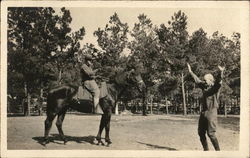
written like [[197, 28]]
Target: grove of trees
[[43, 51]]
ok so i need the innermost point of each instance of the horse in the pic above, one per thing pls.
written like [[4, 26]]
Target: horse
[[60, 99]]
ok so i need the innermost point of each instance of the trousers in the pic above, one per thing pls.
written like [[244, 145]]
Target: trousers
[[207, 124]]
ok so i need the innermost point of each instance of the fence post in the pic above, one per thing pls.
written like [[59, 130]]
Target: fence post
[[225, 109]]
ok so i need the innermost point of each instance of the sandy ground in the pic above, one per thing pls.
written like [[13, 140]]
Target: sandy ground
[[128, 132]]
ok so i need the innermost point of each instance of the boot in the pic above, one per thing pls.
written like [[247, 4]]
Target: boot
[[215, 142], [204, 142]]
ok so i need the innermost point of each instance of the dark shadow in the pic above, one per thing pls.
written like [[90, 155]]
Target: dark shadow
[[55, 138], [157, 146], [15, 115], [22, 115]]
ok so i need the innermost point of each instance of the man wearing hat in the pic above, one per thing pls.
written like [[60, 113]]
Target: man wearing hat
[[88, 78], [208, 118]]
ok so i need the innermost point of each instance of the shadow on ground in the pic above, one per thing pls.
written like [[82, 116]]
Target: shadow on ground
[[157, 146], [55, 138]]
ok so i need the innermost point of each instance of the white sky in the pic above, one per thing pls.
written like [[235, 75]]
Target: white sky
[[224, 20]]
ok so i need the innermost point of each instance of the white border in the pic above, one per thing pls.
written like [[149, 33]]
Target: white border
[[244, 118]]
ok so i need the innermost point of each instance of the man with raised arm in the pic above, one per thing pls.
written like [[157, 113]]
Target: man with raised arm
[[210, 98]]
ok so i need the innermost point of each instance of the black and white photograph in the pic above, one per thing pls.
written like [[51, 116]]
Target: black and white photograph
[[124, 79]]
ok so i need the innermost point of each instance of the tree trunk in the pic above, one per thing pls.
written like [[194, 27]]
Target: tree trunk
[[29, 99], [175, 106], [147, 107], [183, 95], [232, 101], [41, 93], [116, 109], [151, 104], [166, 104], [144, 97], [25, 89], [125, 104], [158, 108], [144, 106], [60, 77], [225, 109], [136, 106]]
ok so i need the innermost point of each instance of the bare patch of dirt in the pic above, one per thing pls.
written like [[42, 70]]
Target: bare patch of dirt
[[128, 132]]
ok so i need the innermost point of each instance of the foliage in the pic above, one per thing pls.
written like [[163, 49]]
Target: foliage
[[168, 85], [42, 52], [112, 40], [40, 47], [145, 50]]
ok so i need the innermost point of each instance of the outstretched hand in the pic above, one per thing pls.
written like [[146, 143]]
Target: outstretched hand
[[221, 68], [189, 67]]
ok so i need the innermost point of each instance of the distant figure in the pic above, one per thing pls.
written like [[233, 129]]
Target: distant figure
[[208, 118], [88, 79]]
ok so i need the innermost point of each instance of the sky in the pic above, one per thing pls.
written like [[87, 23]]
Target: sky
[[224, 20]]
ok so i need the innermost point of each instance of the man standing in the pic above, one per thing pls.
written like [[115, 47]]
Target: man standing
[[210, 96], [88, 79]]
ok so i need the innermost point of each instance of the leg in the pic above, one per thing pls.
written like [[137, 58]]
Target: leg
[[59, 122], [101, 127], [96, 97], [214, 140], [48, 124], [202, 127], [107, 129], [211, 133], [93, 88]]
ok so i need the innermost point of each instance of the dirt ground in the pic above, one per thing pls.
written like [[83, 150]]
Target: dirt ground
[[128, 132]]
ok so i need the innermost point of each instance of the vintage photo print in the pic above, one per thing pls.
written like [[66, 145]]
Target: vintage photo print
[[125, 79]]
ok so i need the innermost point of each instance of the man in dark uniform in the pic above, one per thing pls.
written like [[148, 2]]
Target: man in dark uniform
[[208, 118], [88, 79]]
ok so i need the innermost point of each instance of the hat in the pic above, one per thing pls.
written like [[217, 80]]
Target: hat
[[88, 57]]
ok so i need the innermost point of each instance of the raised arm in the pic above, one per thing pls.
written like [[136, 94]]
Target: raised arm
[[196, 79], [218, 81], [221, 74]]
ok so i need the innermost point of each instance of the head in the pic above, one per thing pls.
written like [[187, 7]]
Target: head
[[209, 79], [135, 78], [88, 59]]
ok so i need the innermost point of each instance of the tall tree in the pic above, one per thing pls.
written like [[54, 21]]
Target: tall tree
[[112, 39], [22, 60], [174, 42], [167, 86], [36, 37], [68, 43], [146, 51]]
